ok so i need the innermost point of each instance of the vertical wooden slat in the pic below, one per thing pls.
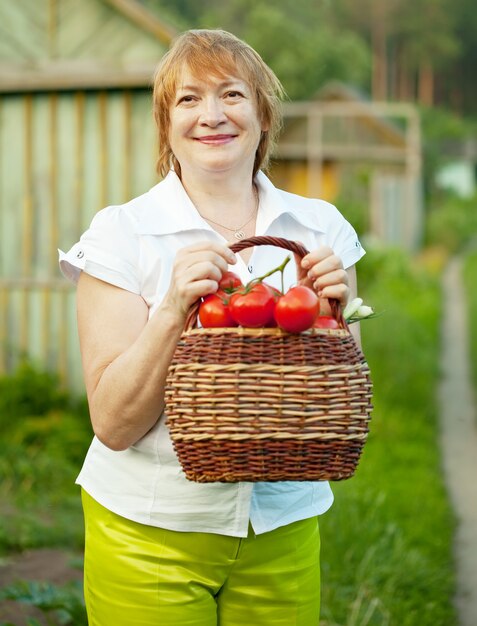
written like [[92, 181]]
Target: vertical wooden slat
[[126, 192], [62, 336], [103, 147], [27, 226], [52, 28], [45, 328], [314, 147], [53, 180], [79, 105], [24, 320]]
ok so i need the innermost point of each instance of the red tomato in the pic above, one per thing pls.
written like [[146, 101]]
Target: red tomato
[[276, 292], [214, 313], [230, 281], [325, 321], [297, 309], [276, 295], [252, 308]]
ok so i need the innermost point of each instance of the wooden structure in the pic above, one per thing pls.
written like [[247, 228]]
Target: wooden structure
[[331, 142], [76, 134]]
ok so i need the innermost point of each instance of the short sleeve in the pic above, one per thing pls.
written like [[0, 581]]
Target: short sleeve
[[108, 250], [346, 244]]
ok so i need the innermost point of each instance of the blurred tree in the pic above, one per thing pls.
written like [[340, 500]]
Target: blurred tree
[[410, 39], [299, 39], [427, 42], [457, 86], [416, 50]]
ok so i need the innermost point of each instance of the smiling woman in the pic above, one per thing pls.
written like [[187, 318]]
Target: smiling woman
[[160, 549]]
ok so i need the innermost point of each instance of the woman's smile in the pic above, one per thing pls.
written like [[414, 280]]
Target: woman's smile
[[216, 139]]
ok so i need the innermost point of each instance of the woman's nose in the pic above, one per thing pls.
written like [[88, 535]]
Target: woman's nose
[[212, 112]]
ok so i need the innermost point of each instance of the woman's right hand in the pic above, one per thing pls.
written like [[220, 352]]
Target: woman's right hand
[[196, 272]]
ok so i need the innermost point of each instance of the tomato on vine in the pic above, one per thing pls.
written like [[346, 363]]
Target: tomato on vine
[[297, 309], [214, 312], [230, 282], [253, 306]]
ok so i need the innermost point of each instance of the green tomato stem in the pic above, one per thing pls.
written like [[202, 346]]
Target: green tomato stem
[[260, 279]]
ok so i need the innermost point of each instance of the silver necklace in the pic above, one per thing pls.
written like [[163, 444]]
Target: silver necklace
[[239, 232]]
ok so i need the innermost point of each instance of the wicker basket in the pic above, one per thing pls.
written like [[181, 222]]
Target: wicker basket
[[264, 405]]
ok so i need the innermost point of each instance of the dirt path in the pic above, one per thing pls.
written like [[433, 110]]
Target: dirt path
[[459, 438], [51, 565]]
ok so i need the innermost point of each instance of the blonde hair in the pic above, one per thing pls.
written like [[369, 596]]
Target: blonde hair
[[217, 53]]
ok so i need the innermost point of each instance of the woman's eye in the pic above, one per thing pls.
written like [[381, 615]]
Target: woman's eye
[[186, 99], [234, 94]]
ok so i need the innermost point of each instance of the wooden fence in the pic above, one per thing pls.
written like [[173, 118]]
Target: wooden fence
[[63, 156]]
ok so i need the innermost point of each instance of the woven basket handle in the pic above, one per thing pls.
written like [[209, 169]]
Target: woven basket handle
[[298, 250]]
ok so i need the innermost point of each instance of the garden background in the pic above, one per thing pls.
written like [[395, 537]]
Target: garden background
[[387, 543]]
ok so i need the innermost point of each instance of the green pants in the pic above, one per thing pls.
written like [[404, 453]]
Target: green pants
[[138, 575]]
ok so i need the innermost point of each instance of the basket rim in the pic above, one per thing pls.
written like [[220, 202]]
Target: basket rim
[[265, 332]]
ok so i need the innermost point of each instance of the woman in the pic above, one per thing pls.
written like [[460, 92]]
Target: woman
[[160, 549]]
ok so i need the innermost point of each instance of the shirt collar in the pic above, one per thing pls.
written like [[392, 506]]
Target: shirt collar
[[168, 209]]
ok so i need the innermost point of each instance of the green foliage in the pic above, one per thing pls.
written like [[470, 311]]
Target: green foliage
[[442, 130], [387, 556], [64, 604], [470, 274], [45, 435], [28, 392], [452, 222]]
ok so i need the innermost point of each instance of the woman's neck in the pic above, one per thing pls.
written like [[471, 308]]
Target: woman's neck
[[227, 201]]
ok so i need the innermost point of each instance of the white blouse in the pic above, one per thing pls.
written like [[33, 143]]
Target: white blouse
[[133, 247]]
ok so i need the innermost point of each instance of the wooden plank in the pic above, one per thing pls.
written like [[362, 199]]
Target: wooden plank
[[114, 148], [79, 125], [144, 144], [27, 210], [62, 147], [103, 148], [91, 29], [144, 19], [44, 309], [12, 189], [376, 154], [53, 241], [23, 29], [74, 77], [128, 140], [43, 192], [91, 164]]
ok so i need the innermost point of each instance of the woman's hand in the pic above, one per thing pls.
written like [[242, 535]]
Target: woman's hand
[[196, 272], [326, 275]]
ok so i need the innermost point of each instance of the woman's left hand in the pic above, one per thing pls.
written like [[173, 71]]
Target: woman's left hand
[[326, 275]]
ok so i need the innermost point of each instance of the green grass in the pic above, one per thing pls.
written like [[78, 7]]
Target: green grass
[[470, 280], [387, 539]]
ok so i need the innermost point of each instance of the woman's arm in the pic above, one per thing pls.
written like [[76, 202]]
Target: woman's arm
[[126, 357]]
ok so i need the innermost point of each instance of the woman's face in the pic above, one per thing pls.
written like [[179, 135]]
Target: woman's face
[[214, 125]]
